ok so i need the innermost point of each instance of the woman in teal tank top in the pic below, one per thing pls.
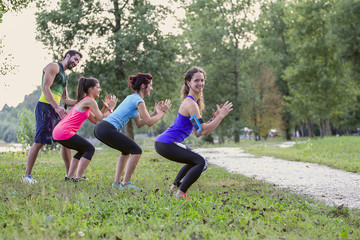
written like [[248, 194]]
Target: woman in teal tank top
[[132, 108]]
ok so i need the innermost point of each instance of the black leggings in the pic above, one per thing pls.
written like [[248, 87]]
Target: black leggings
[[107, 133], [195, 163], [83, 147]]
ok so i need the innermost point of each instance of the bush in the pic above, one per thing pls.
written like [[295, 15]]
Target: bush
[[27, 130]]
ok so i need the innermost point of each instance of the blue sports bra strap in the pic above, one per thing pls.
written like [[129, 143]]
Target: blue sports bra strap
[[191, 97]]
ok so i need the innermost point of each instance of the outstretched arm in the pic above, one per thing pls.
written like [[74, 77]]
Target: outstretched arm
[[97, 115], [146, 118], [221, 112]]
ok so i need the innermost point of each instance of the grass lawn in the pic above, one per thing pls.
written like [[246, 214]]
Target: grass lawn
[[222, 205], [337, 152]]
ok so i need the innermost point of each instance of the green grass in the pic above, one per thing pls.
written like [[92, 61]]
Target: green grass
[[337, 152], [222, 205]]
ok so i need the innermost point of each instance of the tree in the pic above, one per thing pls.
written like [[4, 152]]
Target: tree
[[215, 33], [12, 5], [6, 6], [5, 66], [120, 39], [9, 116], [26, 130], [264, 102], [273, 46], [343, 21], [314, 78]]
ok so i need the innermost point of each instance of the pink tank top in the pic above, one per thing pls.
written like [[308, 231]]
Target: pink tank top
[[70, 124]]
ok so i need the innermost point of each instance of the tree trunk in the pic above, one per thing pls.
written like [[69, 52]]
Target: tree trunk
[[237, 107], [221, 139], [310, 128], [285, 115], [327, 127], [236, 73], [321, 128], [302, 128]]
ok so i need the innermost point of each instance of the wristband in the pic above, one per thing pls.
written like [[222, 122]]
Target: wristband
[[110, 110]]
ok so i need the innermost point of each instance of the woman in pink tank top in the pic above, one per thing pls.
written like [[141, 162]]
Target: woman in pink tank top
[[85, 108]]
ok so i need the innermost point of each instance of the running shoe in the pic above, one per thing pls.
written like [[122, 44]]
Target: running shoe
[[67, 178], [74, 179], [184, 195], [117, 185], [83, 178], [130, 185], [173, 189], [28, 179]]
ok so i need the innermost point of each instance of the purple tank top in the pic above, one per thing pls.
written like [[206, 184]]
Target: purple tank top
[[177, 132]]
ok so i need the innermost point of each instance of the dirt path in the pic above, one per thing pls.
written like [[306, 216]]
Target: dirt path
[[334, 187]]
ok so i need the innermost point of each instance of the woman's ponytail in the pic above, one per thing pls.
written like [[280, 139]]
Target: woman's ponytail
[[83, 87]]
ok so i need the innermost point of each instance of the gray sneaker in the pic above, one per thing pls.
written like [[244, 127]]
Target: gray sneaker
[[28, 179], [117, 185], [130, 185]]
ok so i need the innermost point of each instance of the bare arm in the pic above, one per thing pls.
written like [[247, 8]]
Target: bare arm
[[207, 128], [146, 118], [96, 115], [66, 100], [222, 112], [92, 118], [96, 111], [50, 72], [108, 103]]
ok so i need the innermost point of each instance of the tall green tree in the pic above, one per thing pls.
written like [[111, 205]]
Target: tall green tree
[[313, 77], [215, 33], [120, 38], [344, 34], [272, 44]]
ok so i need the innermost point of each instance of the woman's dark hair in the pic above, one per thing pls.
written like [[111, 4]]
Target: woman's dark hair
[[84, 85], [135, 81], [185, 88]]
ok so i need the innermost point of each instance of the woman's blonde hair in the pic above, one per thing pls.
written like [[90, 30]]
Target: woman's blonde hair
[[185, 88]]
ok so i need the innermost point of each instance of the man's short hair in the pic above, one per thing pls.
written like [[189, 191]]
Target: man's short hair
[[72, 53]]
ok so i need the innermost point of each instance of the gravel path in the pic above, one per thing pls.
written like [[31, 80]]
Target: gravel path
[[332, 186]]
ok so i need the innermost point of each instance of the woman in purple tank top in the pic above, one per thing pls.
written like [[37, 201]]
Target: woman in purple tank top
[[168, 144]]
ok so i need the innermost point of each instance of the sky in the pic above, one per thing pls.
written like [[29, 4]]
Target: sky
[[18, 39], [17, 32]]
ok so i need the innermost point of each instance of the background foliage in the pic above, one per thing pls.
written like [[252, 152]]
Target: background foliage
[[286, 65]]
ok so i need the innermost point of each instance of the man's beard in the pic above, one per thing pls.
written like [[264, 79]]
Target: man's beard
[[69, 65]]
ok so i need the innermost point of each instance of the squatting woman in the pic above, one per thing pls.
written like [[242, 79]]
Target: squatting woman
[[169, 143]]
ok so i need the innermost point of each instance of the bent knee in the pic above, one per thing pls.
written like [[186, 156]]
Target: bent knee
[[137, 151]]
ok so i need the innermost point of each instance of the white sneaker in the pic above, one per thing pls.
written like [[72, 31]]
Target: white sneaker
[[28, 179]]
